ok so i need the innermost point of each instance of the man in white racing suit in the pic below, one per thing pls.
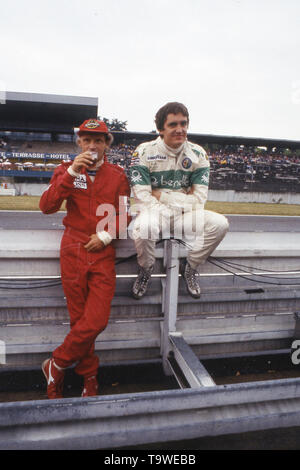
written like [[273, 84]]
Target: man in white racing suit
[[169, 178]]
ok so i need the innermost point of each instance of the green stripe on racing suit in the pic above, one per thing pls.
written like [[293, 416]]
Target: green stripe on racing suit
[[155, 167]]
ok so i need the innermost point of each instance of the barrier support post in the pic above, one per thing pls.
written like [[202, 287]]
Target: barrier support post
[[170, 299]]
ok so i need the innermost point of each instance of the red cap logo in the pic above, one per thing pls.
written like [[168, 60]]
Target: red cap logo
[[93, 125]]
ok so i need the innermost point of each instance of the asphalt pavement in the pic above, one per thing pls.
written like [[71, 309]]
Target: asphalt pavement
[[34, 220]]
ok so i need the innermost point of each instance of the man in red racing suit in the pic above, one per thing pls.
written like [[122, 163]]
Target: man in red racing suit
[[95, 192]]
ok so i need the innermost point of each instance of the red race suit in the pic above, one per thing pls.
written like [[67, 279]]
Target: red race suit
[[88, 278]]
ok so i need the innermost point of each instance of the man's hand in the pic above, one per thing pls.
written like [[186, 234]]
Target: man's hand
[[95, 244], [83, 160], [156, 193]]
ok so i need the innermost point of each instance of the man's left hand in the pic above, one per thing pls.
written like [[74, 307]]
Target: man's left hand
[[95, 244]]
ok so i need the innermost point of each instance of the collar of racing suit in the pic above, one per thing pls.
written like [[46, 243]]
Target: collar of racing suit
[[184, 149], [97, 165], [93, 170], [169, 150]]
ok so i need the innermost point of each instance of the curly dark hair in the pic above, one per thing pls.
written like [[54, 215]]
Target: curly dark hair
[[169, 108]]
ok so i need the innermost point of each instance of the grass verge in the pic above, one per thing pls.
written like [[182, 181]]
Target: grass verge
[[253, 208], [21, 203]]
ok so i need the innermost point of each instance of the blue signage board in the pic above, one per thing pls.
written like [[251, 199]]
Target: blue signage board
[[36, 155]]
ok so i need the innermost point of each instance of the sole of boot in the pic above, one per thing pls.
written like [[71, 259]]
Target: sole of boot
[[137, 297]]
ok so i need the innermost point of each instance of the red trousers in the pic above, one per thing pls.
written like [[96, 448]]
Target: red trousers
[[88, 280]]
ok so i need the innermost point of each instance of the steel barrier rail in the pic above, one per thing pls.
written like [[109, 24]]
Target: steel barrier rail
[[226, 315], [172, 322], [29, 344], [109, 422], [171, 316], [194, 372], [36, 252]]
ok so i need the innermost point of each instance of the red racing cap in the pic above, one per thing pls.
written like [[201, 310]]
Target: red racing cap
[[92, 125]]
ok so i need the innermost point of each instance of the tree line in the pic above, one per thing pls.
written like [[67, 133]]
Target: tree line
[[114, 124]]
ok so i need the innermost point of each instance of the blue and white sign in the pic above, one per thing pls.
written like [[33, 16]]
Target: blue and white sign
[[32, 156]]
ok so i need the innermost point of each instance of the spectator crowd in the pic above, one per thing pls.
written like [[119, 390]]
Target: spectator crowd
[[232, 166]]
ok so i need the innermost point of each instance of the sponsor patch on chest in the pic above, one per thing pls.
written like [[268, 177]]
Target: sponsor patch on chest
[[80, 182], [135, 159], [186, 163], [156, 158]]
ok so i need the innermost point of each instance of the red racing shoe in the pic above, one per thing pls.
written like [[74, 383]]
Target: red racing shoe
[[55, 378], [90, 387]]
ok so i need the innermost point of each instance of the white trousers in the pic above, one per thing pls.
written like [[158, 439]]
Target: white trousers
[[201, 230]]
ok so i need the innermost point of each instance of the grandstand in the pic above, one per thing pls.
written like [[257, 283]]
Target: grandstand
[[37, 133]]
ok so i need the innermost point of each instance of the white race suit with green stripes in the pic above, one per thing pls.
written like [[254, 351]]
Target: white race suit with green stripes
[[182, 176]]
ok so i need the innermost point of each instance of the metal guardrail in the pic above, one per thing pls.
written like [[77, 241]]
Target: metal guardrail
[[166, 323], [108, 422], [230, 310]]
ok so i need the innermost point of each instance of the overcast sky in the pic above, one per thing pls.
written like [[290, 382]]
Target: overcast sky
[[234, 63]]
